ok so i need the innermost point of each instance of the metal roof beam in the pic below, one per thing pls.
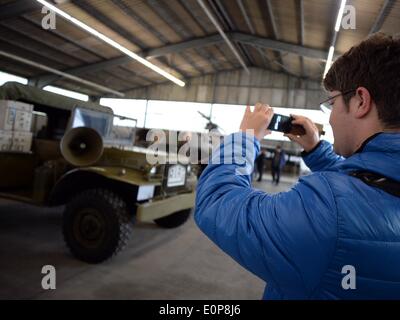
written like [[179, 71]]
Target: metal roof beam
[[204, 42], [209, 41], [385, 10], [301, 30], [185, 45], [223, 34], [246, 16], [218, 6], [251, 28], [203, 24], [275, 31], [278, 45]]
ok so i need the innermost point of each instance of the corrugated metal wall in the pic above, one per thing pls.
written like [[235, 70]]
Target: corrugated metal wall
[[238, 87]]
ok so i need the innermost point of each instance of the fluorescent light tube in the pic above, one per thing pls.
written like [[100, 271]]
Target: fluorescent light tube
[[340, 15], [329, 60], [67, 93]]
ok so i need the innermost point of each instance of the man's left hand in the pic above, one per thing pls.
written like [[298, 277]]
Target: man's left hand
[[258, 120]]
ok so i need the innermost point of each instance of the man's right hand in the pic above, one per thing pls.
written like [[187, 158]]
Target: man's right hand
[[311, 138]]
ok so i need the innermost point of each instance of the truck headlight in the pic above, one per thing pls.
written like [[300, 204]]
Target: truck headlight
[[153, 170]]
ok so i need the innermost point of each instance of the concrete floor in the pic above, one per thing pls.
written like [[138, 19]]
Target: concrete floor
[[157, 264]]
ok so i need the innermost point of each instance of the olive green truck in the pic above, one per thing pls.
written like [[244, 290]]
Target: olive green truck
[[82, 156]]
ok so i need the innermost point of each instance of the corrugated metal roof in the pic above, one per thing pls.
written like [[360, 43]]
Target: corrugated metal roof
[[142, 26]]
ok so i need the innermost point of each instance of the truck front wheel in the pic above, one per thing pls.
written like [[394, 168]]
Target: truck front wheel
[[96, 225], [174, 220]]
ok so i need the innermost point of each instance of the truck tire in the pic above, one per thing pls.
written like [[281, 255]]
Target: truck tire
[[174, 220], [96, 225]]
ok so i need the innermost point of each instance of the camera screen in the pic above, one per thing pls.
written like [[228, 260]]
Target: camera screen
[[280, 123]]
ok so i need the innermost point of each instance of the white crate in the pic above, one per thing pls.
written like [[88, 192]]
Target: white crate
[[23, 121], [16, 105], [22, 141], [15, 115], [15, 141], [5, 140]]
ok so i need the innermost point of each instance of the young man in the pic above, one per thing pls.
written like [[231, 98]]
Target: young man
[[336, 233]]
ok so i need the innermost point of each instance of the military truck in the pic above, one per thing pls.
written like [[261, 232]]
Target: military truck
[[83, 157]]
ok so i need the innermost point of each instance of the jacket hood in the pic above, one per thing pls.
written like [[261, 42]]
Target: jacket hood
[[380, 155]]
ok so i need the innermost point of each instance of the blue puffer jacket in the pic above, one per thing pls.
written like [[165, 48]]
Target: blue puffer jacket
[[300, 242]]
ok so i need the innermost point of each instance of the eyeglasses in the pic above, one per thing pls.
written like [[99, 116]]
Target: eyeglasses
[[327, 105]]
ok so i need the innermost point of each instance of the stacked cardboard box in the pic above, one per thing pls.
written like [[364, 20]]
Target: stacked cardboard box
[[15, 126]]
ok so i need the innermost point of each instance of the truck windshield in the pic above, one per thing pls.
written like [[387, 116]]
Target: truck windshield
[[123, 132], [115, 130], [100, 121]]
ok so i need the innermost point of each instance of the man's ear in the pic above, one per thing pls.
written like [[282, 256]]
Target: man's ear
[[362, 103]]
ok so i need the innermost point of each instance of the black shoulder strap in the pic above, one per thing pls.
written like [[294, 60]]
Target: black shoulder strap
[[378, 181]]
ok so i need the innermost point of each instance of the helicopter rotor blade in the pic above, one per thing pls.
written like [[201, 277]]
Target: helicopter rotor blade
[[204, 116]]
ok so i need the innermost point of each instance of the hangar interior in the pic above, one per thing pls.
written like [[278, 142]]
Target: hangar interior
[[212, 58]]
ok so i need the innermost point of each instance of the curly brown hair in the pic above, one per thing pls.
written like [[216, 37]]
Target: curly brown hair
[[375, 65]]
